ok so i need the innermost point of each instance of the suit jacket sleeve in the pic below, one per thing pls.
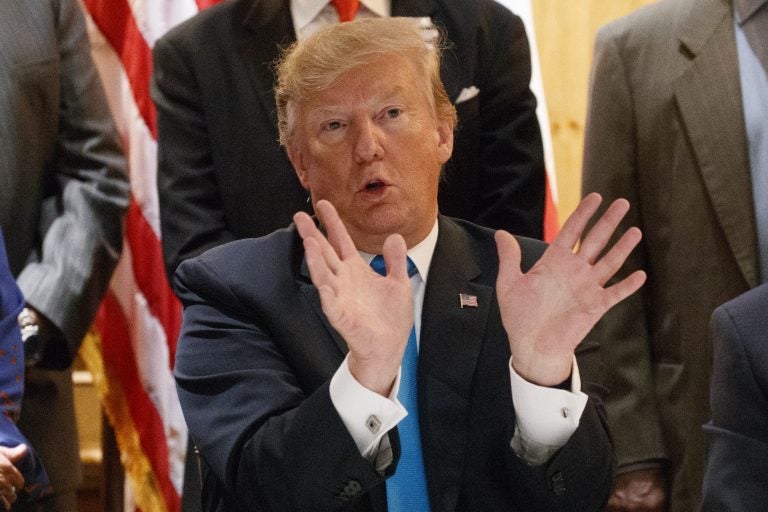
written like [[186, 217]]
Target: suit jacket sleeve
[[512, 183], [191, 211], [738, 432], [82, 227], [610, 168], [266, 441]]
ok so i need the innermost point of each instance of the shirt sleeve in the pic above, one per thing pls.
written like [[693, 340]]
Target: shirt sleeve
[[545, 417], [367, 415]]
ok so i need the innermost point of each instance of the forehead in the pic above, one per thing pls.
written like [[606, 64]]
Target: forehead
[[387, 77]]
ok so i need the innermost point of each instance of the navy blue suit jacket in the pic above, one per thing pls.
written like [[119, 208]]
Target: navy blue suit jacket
[[735, 478], [256, 355]]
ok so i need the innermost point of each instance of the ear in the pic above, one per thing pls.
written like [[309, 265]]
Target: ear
[[445, 141], [296, 156]]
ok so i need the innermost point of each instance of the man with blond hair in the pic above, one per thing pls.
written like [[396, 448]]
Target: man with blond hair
[[392, 358]]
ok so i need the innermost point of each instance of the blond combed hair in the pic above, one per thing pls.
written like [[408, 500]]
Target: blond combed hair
[[313, 65]]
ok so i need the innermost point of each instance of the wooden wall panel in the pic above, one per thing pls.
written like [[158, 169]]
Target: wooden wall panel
[[565, 31]]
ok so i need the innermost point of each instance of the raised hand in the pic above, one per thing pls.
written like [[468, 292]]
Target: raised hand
[[551, 308], [373, 313]]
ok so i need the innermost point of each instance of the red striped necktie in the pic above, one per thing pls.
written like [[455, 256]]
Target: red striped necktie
[[347, 9]]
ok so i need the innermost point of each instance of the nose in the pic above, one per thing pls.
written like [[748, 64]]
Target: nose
[[368, 146]]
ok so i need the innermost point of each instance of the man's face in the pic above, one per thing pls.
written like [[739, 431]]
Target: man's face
[[372, 146]]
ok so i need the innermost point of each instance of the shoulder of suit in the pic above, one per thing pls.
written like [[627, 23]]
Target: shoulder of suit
[[748, 309], [647, 23], [277, 253], [205, 24]]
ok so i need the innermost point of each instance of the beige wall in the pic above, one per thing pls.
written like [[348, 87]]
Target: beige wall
[[565, 32]]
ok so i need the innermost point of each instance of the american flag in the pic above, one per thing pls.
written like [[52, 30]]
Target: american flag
[[131, 351]]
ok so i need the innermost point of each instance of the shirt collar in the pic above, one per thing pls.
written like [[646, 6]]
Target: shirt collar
[[304, 11], [744, 9], [420, 254]]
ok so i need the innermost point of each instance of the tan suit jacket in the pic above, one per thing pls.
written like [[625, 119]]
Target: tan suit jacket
[[665, 130]]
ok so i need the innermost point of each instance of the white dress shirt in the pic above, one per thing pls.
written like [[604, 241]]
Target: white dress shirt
[[309, 16], [546, 417]]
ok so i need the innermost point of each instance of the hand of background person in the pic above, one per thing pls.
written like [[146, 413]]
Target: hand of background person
[[10, 477], [548, 310], [373, 313], [643, 490]]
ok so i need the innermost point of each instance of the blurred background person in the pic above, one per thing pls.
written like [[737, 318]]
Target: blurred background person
[[678, 124], [22, 476], [63, 193], [735, 480]]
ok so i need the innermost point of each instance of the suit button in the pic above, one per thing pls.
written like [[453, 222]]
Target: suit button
[[558, 483], [352, 488]]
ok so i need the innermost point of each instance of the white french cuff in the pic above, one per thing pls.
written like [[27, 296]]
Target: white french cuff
[[545, 417], [367, 415]]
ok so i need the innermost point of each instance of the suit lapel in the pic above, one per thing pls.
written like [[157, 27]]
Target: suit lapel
[[313, 298], [709, 99], [450, 343], [267, 27]]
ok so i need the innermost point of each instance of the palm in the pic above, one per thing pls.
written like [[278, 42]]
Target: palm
[[373, 313], [551, 308]]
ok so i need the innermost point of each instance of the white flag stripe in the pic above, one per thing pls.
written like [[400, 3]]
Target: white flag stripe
[[138, 143], [154, 18], [152, 362]]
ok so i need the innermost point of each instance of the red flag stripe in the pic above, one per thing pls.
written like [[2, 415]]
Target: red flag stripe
[[114, 19], [551, 224], [149, 272], [120, 362], [202, 4]]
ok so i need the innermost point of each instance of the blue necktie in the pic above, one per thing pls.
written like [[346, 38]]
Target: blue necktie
[[407, 488]]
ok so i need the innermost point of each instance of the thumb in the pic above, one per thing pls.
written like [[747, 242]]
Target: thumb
[[16, 453], [509, 255]]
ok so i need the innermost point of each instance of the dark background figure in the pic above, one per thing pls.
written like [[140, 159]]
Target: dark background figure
[[677, 124], [63, 193], [735, 479], [223, 176], [22, 475]]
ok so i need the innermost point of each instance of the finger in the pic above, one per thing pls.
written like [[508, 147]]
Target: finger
[[395, 257], [305, 226], [574, 225], [338, 235], [308, 230], [624, 288], [612, 261], [509, 256], [15, 478], [319, 270], [6, 503], [597, 238]]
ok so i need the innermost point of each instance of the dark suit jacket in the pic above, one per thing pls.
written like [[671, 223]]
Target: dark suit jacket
[[665, 130], [735, 478], [223, 176], [256, 355]]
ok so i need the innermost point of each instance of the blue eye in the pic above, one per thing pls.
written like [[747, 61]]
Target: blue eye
[[393, 112], [333, 125]]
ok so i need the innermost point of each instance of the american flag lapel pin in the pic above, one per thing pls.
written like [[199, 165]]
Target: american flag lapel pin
[[467, 301]]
